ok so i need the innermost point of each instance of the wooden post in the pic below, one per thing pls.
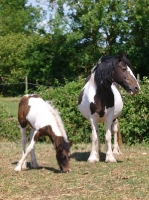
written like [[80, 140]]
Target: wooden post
[[138, 77], [26, 85]]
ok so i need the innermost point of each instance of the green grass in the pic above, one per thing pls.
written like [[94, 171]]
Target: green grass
[[126, 179], [11, 105]]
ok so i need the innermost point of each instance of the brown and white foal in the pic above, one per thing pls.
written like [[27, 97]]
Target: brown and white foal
[[45, 121]]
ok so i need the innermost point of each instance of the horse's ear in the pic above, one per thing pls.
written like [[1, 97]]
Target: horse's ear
[[122, 55]]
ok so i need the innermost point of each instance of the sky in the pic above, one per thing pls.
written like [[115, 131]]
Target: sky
[[44, 5], [41, 4]]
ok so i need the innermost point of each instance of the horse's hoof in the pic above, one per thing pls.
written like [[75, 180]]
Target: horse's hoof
[[116, 153], [93, 160], [110, 158]]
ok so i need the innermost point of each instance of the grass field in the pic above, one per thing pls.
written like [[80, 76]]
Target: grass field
[[11, 105], [128, 179]]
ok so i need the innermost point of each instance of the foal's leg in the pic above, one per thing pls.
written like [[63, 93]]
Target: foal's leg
[[28, 150], [116, 133], [24, 141], [109, 154], [94, 155], [34, 163]]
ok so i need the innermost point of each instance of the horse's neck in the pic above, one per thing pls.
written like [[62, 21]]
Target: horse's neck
[[104, 89]]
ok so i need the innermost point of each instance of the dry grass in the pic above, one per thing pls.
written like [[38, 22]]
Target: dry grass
[[126, 180]]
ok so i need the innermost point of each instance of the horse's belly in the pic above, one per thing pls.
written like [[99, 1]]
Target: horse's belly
[[84, 109]]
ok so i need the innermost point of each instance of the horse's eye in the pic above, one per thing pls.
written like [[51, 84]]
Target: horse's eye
[[124, 69]]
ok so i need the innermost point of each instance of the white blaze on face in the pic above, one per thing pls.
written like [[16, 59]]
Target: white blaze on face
[[130, 71]]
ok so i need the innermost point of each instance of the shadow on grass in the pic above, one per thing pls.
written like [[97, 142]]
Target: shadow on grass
[[40, 167], [83, 156]]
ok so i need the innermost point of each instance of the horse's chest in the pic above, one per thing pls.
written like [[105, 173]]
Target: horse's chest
[[101, 103]]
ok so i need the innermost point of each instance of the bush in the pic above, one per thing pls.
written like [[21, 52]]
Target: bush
[[134, 120]]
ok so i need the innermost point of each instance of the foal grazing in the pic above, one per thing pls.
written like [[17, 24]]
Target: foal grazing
[[100, 100], [45, 121]]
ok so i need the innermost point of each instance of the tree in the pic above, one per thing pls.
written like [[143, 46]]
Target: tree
[[16, 17], [94, 28], [138, 43]]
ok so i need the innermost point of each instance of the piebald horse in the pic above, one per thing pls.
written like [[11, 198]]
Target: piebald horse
[[45, 121], [100, 100]]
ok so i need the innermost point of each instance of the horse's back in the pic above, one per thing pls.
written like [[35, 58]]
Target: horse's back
[[38, 113]]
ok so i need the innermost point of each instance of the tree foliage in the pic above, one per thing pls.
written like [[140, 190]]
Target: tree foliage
[[79, 33], [16, 17]]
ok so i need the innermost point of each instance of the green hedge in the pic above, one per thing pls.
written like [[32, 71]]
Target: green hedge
[[134, 120]]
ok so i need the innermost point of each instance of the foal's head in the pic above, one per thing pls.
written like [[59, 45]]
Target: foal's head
[[63, 153]]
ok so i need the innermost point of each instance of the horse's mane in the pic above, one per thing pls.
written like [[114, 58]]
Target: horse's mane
[[58, 119], [105, 66]]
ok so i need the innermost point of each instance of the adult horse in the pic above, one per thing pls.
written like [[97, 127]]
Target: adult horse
[[100, 100], [45, 121]]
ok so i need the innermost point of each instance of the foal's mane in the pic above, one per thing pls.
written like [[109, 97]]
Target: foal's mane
[[104, 68], [58, 119]]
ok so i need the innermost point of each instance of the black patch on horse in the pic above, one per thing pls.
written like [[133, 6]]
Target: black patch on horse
[[102, 101]]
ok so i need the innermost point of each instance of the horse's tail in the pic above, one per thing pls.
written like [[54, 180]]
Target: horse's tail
[[119, 136]]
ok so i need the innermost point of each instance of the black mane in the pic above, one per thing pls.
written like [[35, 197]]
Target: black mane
[[104, 68]]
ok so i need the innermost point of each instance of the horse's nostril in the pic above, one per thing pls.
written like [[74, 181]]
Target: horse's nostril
[[136, 89]]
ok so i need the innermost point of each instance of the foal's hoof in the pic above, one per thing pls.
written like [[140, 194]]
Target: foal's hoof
[[24, 166], [17, 168]]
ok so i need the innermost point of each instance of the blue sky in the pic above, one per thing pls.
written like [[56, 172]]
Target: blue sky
[[41, 4], [44, 5]]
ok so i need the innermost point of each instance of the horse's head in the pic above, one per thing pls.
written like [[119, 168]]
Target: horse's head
[[124, 76], [63, 153]]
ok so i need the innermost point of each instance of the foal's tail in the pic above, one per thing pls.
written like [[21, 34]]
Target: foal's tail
[[119, 136]]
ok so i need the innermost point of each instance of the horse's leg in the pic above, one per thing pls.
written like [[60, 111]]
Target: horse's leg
[[94, 155], [117, 137], [34, 163], [24, 141], [109, 153], [28, 150]]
